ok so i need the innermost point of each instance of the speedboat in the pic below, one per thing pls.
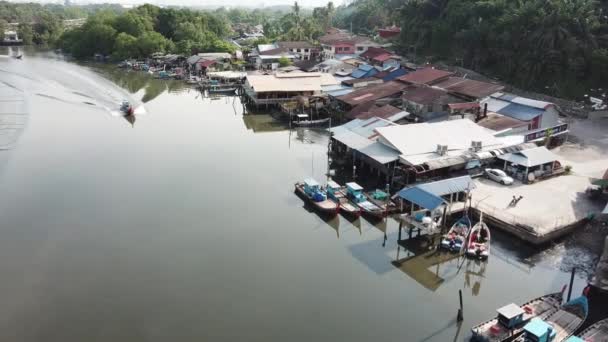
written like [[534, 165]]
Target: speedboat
[[126, 108]]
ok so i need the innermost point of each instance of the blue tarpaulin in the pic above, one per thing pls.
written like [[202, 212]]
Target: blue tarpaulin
[[421, 197]]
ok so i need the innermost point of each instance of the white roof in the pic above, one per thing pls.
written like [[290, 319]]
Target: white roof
[[293, 81], [288, 56], [522, 100], [266, 47], [510, 311], [530, 157], [353, 140], [380, 152], [418, 142], [215, 55]]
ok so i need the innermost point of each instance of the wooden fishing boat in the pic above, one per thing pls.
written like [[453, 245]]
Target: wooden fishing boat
[[597, 332], [558, 326], [456, 238], [383, 201], [478, 243], [337, 194], [354, 192], [510, 320], [304, 120], [221, 90], [311, 191]]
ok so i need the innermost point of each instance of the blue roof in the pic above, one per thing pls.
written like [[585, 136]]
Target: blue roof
[[394, 74], [365, 67], [364, 70], [520, 112], [448, 186], [537, 327], [421, 197]]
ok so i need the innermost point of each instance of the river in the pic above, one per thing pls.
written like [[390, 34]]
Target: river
[[183, 226]]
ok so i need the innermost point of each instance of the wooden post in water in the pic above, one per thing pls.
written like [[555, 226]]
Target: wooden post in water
[[571, 283], [460, 316]]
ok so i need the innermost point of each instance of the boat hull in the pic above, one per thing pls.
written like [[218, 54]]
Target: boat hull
[[543, 306], [321, 209]]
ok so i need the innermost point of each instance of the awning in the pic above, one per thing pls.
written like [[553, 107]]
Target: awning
[[531, 157], [449, 186], [380, 153], [421, 198]]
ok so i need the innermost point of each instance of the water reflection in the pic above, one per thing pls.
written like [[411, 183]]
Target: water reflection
[[13, 113]]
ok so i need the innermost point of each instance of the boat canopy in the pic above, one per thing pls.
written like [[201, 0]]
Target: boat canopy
[[311, 182], [537, 327], [333, 184], [354, 186], [574, 339], [510, 311], [302, 116]]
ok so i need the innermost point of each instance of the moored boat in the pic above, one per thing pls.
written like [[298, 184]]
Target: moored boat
[[304, 120], [337, 193], [355, 193], [511, 319], [478, 243], [559, 325], [456, 238], [597, 332], [221, 90], [311, 191]]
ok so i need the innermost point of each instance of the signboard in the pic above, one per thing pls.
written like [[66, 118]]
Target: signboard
[[541, 134]]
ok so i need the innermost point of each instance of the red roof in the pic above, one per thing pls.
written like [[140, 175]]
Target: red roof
[[206, 63], [383, 57], [464, 105], [389, 32], [374, 52], [425, 76], [423, 95]]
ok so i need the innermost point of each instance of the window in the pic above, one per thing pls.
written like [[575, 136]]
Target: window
[[299, 50], [360, 48], [340, 49], [305, 50]]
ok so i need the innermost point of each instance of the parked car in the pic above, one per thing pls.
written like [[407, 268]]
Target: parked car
[[499, 176]]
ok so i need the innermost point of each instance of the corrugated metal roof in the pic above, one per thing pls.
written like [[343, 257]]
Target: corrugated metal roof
[[394, 74], [382, 112], [521, 112], [423, 95], [421, 197], [353, 140], [530, 157], [425, 76], [341, 92], [373, 93], [470, 88], [290, 82], [497, 122], [380, 153], [449, 186]]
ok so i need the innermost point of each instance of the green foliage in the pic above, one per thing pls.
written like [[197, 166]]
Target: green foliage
[[133, 24], [151, 42], [125, 46], [3, 26], [284, 61]]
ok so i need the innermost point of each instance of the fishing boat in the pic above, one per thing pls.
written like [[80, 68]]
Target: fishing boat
[[304, 120], [558, 326], [355, 193], [221, 90], [478, 243], [311, 191], [597, 332], [337, 194], [510, 319], [126, 108], [456, 238], [193, 80]]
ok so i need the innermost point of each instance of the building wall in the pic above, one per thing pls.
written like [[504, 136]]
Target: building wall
[[304, 52], [344, 49], [550, 118]]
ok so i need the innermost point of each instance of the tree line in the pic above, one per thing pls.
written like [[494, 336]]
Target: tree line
[[558, 47]]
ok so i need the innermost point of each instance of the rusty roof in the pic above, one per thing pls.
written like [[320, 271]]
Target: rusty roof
[[383, 112], [372, 52], [372, 93], [425, 76], [497, 122], [469, 88], [423, 95]]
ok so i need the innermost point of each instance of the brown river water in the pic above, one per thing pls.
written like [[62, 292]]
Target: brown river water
[[183, 226]]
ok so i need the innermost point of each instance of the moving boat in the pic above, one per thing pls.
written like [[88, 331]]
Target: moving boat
[[558, 326], [337, 193], [478, 243], [311, 191], [355, 193], [456, 238], [511, 319], [597, 332], [126, 108]]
